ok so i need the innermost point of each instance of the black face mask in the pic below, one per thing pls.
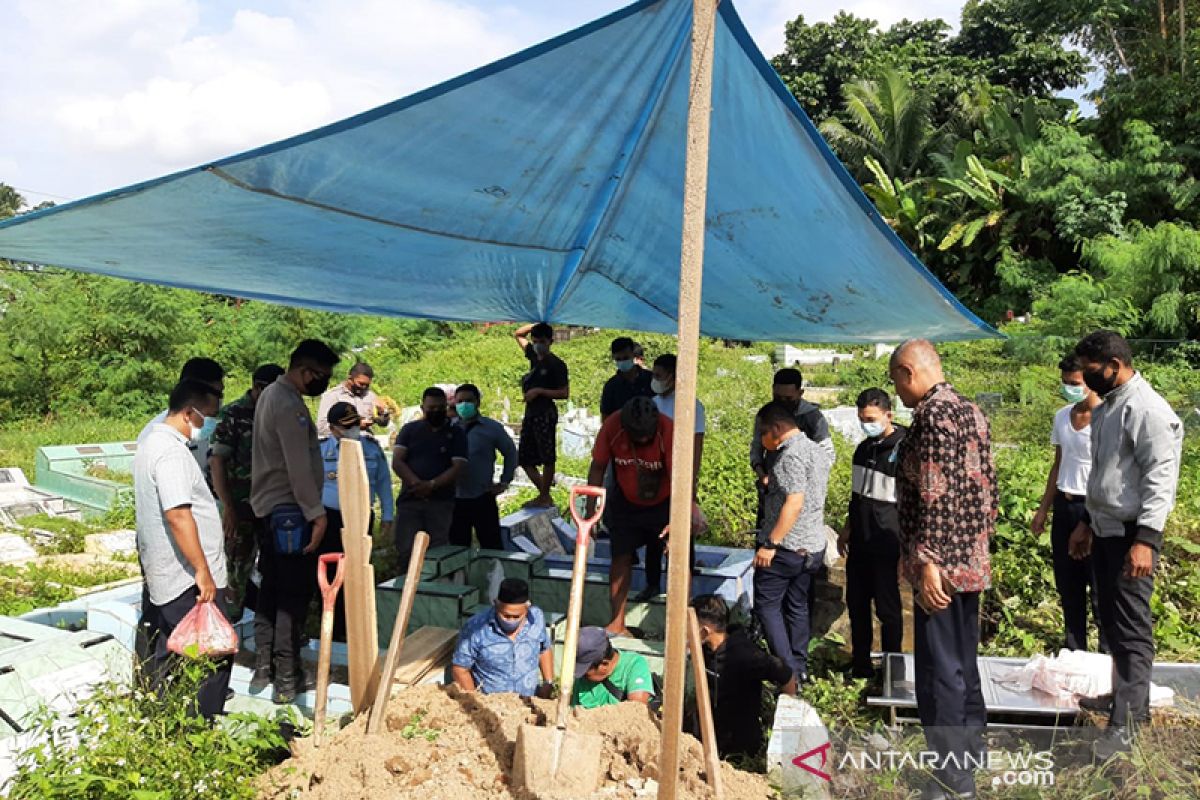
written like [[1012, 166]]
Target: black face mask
[[359, 391], [436, 418], [792, 404], [317, 386], [1098, 382]]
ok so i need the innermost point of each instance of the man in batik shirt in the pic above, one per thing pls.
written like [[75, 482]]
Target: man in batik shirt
[[946, 499]]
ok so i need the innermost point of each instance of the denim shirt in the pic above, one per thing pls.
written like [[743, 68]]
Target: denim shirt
[[498, 663]]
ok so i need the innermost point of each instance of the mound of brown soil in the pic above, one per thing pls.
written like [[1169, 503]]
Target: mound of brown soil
[[445, 744]]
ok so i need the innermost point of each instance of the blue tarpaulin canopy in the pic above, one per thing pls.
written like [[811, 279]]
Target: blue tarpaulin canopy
[[546, 186]]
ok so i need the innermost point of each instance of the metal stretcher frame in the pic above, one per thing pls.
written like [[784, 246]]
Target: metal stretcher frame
[[898, 693]]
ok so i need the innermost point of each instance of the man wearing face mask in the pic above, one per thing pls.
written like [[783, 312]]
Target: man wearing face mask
[[791, 545], [630, 381], [1137, 442], [737, 667], [429, 454], [870, 539], [355, 390], [1066, 490], [475, 507], [179, 539], [207, 371], [506, 648], [345, 423], [286, 482], [229, 463], [547, 381], [637, 443]]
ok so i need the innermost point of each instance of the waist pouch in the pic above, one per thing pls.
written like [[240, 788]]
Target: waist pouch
[[290, 531]]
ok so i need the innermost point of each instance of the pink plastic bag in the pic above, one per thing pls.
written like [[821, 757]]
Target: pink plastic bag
[[203, 632]]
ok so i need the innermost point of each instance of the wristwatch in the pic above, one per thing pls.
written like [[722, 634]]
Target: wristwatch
[[769, 545]]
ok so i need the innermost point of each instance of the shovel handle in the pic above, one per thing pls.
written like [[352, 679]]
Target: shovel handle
[[584, 525], [329, 590]]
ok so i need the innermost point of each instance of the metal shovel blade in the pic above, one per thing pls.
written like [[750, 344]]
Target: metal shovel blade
[[577, 771]]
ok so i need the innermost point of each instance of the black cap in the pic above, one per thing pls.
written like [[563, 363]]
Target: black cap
[[343, 415], [513, 591], [267, 374]]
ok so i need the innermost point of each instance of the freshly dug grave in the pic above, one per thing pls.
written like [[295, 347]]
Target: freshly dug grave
[[445, 744]]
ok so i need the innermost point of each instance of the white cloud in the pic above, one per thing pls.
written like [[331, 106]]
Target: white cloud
[[120, 91]]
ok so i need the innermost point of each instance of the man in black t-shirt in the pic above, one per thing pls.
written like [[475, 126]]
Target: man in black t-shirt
[[546, 382], [630, 381], [737, 668], [428, 456]]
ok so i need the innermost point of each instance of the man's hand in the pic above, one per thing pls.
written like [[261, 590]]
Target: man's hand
[[764, 479], [933, 597], [385, 530], [843, 543], [546, 691], [206, 585], [229, 523], [498, 489], [1079, 546], [763, 557], [423, 489], [1038, 525], [318, 533], [533, 394], [1139, 561]]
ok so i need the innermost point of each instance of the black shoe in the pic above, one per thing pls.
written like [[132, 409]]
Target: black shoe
[[1097, 705], [934, 790], [261, 679], [647, 594], [1115, 739], [305, 681]]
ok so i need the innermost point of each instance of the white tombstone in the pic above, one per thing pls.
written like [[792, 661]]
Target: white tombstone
[[800, 757]]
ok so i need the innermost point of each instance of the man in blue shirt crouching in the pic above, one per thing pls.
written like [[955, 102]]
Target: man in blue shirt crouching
[[504, 648]]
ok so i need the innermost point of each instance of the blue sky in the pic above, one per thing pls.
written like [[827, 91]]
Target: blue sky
[[110, 93]]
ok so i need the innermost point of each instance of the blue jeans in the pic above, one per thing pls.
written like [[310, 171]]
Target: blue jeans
[[781, 605]]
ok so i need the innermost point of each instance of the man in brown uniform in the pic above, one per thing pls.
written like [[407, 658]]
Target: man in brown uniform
[[286, 481], [946, 500]]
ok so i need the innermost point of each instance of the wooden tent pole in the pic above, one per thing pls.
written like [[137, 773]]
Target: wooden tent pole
[[691, 273]]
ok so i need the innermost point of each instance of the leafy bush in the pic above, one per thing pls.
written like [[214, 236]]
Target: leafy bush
[[137, 745]]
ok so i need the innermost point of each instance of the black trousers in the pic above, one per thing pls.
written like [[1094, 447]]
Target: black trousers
[[1127, 625], [159, 622], [949, 694], [873, 577], [280, 615], [1074, 578], [332, 543], [481, 515], [781, 604]]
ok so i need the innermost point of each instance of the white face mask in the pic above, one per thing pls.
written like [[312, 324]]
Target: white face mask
[[873, 429], [659, 387]]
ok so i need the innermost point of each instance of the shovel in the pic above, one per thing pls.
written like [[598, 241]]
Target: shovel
[[329, 592], [551, 762]]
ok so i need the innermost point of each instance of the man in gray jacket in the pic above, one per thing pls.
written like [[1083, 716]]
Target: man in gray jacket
[[1136, 448]]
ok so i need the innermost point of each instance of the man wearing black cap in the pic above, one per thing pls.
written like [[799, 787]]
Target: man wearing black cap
[[229, 465], [506, 647], [343, 422], [637, 442], [605, 676]]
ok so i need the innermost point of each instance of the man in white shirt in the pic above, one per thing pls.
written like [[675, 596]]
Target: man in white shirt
[[1066, 495], [179, 536], [204, 370]]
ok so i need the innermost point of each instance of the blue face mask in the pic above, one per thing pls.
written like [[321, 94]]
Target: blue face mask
[[466, 410], [1072, 394], [508, 625], [873, 430], [624, 365]]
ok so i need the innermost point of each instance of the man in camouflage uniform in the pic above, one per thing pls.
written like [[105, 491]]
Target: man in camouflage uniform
[[229, 463]]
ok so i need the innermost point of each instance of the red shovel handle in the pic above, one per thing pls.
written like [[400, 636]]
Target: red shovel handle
[[329, 590], [584, 525]]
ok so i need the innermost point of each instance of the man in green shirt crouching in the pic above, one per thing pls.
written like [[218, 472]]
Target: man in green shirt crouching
[[605, 676]]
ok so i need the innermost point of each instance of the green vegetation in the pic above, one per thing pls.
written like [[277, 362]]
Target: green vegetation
[[146, 746]]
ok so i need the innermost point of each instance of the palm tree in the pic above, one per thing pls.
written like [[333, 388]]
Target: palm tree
[[890, 121]]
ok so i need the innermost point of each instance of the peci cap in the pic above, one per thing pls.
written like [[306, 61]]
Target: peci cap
[[593, 644], [343, 415]]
